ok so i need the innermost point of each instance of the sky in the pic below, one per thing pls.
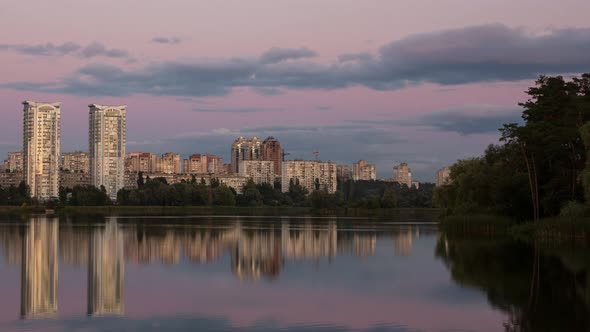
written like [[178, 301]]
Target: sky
[[422, 82]]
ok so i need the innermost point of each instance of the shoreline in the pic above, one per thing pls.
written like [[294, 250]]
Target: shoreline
[[547, 230], [266, 211]]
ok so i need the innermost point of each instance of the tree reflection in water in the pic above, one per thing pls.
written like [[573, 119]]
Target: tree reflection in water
[[539, 287]]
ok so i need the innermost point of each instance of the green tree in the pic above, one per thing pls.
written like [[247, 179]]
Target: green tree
[[550, 142], [297, 193], [250, 195], [389, 199], [140, 180], [222, 195]]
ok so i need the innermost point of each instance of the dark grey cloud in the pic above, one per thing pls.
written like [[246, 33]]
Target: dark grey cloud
[[464, 120], [365, 57], [98, 49], [275, 54], [48, 49], [167, 40], [68, 48], [269, 91], [237, 110], [469, 119], [488, 53]]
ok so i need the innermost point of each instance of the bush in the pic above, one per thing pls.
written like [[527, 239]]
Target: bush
[[574, 209]]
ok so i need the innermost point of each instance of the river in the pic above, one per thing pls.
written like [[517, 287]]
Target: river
[[281, 274]]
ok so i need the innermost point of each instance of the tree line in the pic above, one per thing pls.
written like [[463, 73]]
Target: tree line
[[539, 169], [197, 192], [358, 194]]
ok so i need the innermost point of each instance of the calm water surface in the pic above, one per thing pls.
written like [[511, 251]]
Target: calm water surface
[[292, 274]]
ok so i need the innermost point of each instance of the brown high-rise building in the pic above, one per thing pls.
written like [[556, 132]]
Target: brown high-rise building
[[203, 163], [169, 163], [272, 151], [141, 162]]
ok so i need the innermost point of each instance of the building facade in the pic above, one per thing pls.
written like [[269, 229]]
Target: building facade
[[344, 172], [363, 171], [233, 181], [402, 174], [141, 162], [41, 148], [169, 163], [245, 149], [272, 151], [195, 164], [201, 164], [309, 174], [443, 176], [260, 171], [14, 162], [8, 179], [70, 180], [106, 141], [214, 164], [76, 162]]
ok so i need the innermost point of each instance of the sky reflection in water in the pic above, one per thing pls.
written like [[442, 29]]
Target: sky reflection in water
[[240, 274]]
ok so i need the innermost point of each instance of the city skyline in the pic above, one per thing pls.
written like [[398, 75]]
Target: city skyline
[[403, 86]]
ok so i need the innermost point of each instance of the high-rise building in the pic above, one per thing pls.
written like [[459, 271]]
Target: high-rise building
[[363, 171], [141, 162], [106, 269], [344, 172], [272, 151], [310, 175], [106, 142], [443, 176], [214, 164], [41, 148], [76, 162], [260, 171], [169, 163], [201, 164], [39, 268], [14, 162], [402, 174], [243, 149], [195, 164]]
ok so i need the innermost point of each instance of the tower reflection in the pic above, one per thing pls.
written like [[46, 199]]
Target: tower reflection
[[39, 268], [106, 266]]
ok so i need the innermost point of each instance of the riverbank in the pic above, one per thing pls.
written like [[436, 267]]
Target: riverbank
[[429, 214], [558, 229]]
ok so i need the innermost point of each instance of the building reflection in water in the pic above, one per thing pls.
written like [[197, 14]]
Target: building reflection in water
[[257, 250], [106, 266], [39, 268], [402, 240]]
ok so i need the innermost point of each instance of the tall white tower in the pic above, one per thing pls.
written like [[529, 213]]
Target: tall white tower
[[106, 142], [41, 135]]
